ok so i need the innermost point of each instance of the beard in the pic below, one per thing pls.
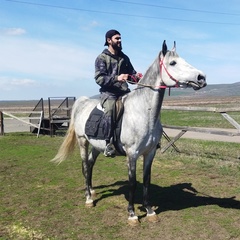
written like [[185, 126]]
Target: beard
[[117, 46]]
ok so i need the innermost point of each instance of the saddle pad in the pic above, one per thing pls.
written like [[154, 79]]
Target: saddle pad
[[94, 128], [94, 124]]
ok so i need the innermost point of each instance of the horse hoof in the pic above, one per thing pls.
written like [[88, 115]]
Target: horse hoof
[[133, 221], [153, 218], [89, 204]]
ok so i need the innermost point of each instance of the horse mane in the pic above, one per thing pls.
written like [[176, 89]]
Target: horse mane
[[151, 74], [172, 54]]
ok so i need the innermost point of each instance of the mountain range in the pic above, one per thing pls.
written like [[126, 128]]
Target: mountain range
[[211, 90]]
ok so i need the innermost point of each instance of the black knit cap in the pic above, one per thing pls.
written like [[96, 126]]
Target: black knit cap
[[110, 34]]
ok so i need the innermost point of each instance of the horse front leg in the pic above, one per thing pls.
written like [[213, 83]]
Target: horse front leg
[[147, 166], [132, 219]]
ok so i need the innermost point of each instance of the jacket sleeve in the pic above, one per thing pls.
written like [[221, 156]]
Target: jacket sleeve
[[133, 77], [127, 66], [102, 77]]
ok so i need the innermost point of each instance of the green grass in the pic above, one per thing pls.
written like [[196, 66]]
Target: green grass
[[193, 193], [197, 119]]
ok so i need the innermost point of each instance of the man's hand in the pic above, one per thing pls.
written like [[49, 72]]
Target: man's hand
[[135, 78], [139, 76], [122, 78]]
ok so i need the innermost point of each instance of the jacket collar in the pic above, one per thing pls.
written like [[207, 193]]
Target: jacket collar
[[107, 52]]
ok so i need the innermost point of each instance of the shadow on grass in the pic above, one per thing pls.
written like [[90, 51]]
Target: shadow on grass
[[174, 197]]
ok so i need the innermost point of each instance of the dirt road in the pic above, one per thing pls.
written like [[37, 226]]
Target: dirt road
[[204, 136], [13, 125]]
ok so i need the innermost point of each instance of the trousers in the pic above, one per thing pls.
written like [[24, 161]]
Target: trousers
[[108, 104]]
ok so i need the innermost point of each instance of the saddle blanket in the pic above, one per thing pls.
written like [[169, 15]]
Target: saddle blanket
[[94, 127]]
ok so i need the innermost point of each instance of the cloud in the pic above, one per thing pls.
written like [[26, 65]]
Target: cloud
[[8, 83], [89, 26], [46, 59], [12, 31], [22, 82], [94, 24], [33, 68]]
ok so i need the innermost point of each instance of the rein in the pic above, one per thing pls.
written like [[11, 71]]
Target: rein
[[150, 86]]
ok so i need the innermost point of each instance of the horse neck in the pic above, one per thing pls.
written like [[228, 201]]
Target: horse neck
[[156, 104], [147, 98]]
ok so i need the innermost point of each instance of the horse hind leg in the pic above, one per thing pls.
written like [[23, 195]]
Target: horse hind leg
[[88, 161], [92, 157]]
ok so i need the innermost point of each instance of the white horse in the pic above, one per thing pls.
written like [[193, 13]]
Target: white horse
[[141, 127]]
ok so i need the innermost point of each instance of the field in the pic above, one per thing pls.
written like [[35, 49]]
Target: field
[[196, 193]]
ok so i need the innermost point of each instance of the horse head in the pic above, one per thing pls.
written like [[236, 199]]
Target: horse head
[[175, 71]]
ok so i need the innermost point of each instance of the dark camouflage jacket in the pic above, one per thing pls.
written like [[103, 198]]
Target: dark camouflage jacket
[[107, 69]]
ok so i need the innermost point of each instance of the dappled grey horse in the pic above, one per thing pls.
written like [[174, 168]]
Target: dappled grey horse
[[141, 127]]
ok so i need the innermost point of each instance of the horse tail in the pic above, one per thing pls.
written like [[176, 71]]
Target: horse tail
[[67, 146]]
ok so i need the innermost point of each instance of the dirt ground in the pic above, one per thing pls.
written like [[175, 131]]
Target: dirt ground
[[12, 125], [205, 136]]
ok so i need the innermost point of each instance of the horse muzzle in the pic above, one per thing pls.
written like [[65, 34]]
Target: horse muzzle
[[199, 83]]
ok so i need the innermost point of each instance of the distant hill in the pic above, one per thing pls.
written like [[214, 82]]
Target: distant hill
[[218, 90], [211, 90]]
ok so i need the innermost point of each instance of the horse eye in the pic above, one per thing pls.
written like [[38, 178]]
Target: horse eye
[[172, 63]]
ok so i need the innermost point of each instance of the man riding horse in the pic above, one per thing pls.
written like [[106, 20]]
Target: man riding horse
[[113, 70], [141, 139]]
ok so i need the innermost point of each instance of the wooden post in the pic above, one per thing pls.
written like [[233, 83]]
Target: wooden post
[[172, 142], [40, 123], [1, 124], [231, 120]]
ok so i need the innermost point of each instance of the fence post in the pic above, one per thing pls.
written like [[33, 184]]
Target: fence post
[[1, 124]]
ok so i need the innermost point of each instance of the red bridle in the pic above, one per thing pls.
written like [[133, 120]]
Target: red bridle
[[162, 66]]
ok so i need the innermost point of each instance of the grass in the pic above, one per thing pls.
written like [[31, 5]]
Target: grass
[[196, 193], [197, 119]]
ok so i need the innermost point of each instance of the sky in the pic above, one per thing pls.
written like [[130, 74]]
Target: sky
[[48, 47]]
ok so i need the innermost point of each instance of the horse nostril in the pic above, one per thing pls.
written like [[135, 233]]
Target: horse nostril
[[200, 77], [201, 80]]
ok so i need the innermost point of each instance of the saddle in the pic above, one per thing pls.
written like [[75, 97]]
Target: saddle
[[94, 127]]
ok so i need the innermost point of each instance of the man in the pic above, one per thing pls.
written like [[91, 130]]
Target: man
[[112, 71]]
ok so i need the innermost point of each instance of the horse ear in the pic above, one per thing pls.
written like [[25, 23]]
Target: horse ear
[[164, 48], [174, 46]]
